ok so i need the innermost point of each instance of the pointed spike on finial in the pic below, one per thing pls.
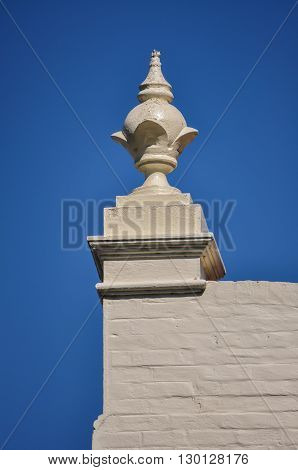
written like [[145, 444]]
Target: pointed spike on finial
[[155, 57], [155, 84]]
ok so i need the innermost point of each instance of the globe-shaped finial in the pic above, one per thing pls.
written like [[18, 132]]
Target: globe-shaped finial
[[155, 132]]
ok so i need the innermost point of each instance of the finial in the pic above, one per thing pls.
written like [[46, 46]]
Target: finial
[[155, 53], [155, 84], [155, 132]]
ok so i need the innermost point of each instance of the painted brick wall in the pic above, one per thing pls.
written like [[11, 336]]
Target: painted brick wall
[[216, 371]]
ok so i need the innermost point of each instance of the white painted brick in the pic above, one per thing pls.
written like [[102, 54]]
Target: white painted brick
[[274, 372], [215, 294], [154, 405], [178, 368], [248, 404], [247, 388], [123, 309], [151, 390], [151, 326], [175, 308], [149, 358], [162, 341], [284, 339], [222, 356], [119, 327], [212, 439], [131, 423], [205, 404], [168, 438], [227, 372], [266, 420], [283, 293], [130, 375], [201, 373], [130, 406], [252, 293], [252, 323], [240, 340], [116, 440], [238, 439], [262, 355]]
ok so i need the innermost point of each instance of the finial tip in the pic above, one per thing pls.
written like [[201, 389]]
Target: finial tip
[[155, 85], [155, 58], [155, 53]]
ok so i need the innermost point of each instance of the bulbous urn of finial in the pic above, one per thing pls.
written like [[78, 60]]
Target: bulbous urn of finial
[[155, 132]]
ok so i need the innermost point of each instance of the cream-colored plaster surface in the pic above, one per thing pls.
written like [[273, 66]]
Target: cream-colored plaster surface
[[154, 219], [214, 371]]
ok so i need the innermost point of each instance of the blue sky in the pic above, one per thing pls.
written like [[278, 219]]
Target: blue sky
[[97, 52]]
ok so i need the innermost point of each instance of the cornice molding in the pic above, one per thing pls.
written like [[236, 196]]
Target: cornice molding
[[201, 246], [118, 289]]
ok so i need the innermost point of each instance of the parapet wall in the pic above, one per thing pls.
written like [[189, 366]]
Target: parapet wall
[[216, 371]]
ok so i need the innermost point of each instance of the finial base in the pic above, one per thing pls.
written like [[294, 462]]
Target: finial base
[[156, 183]]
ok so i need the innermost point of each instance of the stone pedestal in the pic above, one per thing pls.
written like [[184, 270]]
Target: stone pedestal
[[155, 255], [154, 259]]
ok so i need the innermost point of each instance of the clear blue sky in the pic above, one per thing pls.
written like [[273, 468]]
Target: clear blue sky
[[98, 52]]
